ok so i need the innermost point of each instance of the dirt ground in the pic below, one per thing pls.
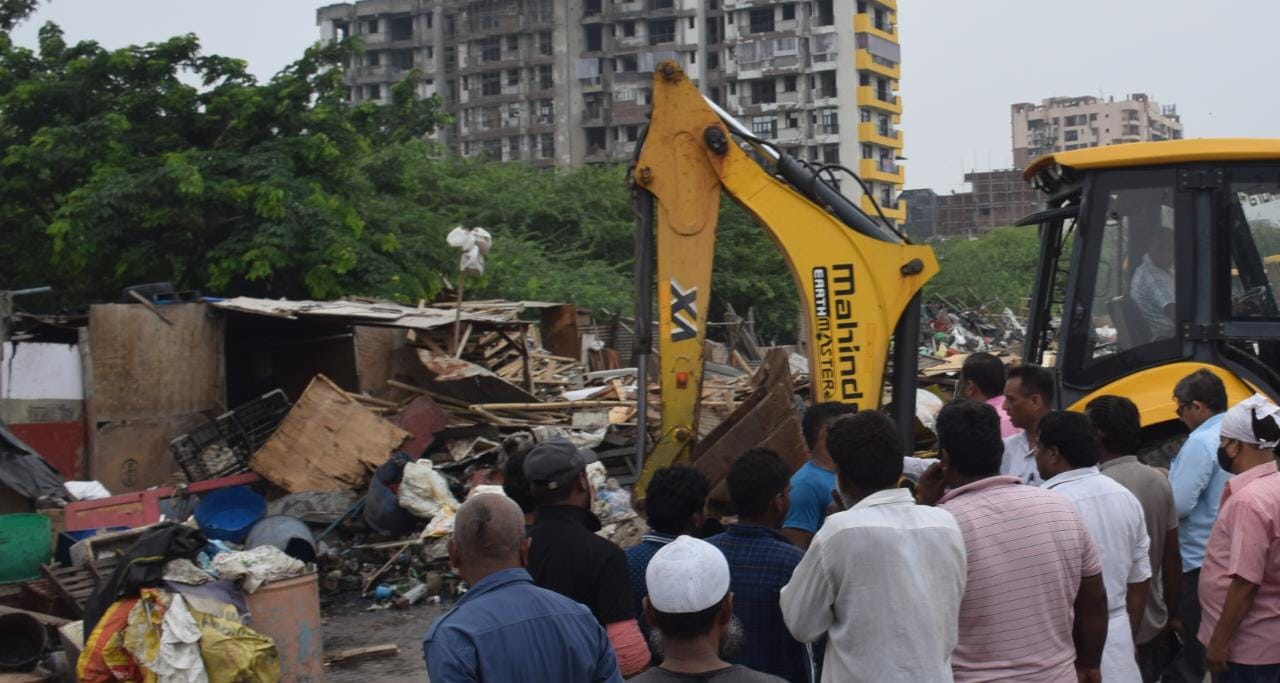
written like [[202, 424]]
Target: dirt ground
[[346, 625]]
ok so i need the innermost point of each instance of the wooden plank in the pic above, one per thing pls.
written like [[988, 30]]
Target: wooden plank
[[357, 653], [133, 455], [560, 330], [375, 347], [144, 368], [327, 442]]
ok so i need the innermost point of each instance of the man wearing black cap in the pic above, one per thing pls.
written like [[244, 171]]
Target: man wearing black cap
[[566, 555]]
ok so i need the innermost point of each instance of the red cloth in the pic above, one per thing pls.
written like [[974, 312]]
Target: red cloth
[[628, 643]]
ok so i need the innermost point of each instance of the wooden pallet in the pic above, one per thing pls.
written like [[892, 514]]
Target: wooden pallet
[[75, 584]]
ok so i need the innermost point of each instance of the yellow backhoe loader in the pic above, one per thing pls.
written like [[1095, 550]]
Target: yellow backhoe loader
[[859, 280]]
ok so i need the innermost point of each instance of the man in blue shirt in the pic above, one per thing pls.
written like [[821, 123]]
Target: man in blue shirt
[[812, 484], [760, 564], [505, 628], [1197, 483], [675, 503]]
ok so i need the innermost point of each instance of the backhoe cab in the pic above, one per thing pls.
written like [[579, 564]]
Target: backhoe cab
[[1158, 259]]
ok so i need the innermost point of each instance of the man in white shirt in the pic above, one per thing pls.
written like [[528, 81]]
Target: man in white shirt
[[1067, 455], [1028, 396], [884, 578]]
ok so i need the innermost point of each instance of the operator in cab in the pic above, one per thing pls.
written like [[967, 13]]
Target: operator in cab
[[1152, 289]]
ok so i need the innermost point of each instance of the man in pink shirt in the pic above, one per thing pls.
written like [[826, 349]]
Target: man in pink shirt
[[1034, 607], [1240, 579], [982, 380]]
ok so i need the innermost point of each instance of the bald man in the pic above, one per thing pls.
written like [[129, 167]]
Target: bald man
[[505, 628]]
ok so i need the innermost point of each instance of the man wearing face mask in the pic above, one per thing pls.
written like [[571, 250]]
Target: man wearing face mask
[[1240, 580], [565, 554]]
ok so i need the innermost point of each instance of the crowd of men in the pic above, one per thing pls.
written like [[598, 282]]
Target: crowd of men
[[1035, 547]]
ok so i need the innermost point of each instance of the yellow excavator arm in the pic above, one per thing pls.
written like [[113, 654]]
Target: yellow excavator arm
[[855, 277]]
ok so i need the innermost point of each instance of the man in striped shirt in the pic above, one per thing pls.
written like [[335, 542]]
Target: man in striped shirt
[[1034, 607]]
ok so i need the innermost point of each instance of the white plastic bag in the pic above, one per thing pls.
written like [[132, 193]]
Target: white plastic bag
[[424, 492], [474, 243]]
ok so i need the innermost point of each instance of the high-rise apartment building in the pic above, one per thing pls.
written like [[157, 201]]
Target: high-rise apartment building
[[1062, 124], [568, 82]]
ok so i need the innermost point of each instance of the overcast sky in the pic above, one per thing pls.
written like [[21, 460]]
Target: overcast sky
[[964, 63]]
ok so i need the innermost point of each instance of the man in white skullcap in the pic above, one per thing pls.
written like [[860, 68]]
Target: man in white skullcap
[[1240, 581], [690, 609]]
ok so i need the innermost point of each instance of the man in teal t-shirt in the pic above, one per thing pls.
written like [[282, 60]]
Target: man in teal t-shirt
[[812, 484]]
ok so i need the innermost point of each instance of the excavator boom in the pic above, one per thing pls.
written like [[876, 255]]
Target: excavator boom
[[855, 277]]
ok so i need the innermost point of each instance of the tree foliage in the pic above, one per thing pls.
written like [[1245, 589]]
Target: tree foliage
[[118, 171], [994, 270]]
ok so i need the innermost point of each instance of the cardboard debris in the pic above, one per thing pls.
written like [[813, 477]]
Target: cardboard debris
[[327, 442], [469, 382]]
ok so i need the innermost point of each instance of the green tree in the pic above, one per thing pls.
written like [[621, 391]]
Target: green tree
[[117, 172], [996, 269]]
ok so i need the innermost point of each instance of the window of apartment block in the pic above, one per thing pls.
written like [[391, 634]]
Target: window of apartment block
[[513, 77], [487, 49], [591, 8], [596, 140], [450, 57], [791, 119], [513, 43], [546, 145], [1071, 136], [826, 14], [626, 64], [789, 12], [880, 19], [633, 133], [713, 32], [373, 92], [866, 151], [715, 96], [543, 11], [693, 23], [593, 36], [788, 84], [864, 116], [831, 154], [662, 4], [513, 149], [450, 25], [430, 51], [830, 121], [827, 83], [713, 59], [862, 6], [546, 111], [402, 59], [662, 31], [491, 117], [864, 78], [341, 30], [371, 26], [544, 43], [882, 124], [764, 127], [430, 18], [491, 83], [761, 20], [401, 28], [733, 87], [764, 91], [629, 29]]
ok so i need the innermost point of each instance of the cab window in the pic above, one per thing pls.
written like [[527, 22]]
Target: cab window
[[1252, 209], [1125, 303]]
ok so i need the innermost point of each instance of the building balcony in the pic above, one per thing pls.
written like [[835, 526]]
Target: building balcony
[[870, 133], [894, 213], [879, 171], [865, 61], [863, 23], [869, 97]]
